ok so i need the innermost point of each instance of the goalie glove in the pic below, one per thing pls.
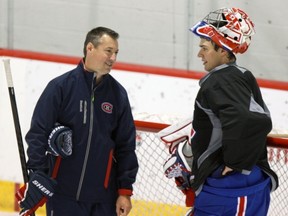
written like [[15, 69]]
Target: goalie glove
[[35, 192], [60, 141], [177, 133]]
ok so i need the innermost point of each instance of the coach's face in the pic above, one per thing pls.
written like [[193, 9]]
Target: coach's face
[[101, 59]]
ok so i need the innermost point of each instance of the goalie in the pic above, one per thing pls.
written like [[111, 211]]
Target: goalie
[[231, 173]]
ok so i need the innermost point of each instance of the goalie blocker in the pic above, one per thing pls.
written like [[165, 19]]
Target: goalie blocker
[[40, 186]]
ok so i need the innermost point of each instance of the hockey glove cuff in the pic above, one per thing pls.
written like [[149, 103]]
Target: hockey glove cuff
[[188, 192], [35, 193]]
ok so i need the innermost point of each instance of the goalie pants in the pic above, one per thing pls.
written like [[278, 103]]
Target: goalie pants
[[63, 206], [236, 194]]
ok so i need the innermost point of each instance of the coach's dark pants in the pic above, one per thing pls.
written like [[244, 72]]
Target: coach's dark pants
[[62, 206]]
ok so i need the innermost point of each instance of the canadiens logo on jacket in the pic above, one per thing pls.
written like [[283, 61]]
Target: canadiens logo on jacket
[[107, 107]]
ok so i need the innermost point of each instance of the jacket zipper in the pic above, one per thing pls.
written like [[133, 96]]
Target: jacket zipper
[[88, 142]]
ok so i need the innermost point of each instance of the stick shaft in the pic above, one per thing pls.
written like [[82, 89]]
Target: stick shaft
[[16, 119]]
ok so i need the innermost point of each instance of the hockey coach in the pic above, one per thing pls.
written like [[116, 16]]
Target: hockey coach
[[96, 177]]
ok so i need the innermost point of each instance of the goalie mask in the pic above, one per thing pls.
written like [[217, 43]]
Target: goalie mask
[[229, 28]]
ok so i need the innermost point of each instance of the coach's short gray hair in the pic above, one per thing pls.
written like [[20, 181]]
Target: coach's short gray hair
[[95, 34]]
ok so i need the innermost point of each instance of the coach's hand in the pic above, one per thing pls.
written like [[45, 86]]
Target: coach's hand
[[123, 205], [35, 193]]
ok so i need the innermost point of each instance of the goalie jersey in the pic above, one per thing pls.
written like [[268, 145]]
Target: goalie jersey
[[231, 122]]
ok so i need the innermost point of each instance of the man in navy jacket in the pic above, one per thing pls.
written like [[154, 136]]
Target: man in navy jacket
[[97, 178]]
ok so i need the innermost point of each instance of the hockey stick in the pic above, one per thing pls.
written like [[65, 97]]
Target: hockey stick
[[16, 119]]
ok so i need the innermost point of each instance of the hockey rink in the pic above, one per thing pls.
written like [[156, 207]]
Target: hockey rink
[[165, 100]]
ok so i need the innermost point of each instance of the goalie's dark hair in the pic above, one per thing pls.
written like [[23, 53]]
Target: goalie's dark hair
[[230, 56], [95, 34]]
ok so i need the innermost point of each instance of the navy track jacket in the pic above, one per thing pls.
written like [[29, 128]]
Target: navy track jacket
[[231, 122], [103, 163]]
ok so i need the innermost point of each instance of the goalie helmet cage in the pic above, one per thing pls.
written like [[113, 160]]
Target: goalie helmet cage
[[154, 194]]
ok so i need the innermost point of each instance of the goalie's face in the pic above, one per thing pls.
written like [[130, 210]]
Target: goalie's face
[[210, 57]]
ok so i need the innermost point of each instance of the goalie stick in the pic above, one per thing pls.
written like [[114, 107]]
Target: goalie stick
[[16, 120]]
